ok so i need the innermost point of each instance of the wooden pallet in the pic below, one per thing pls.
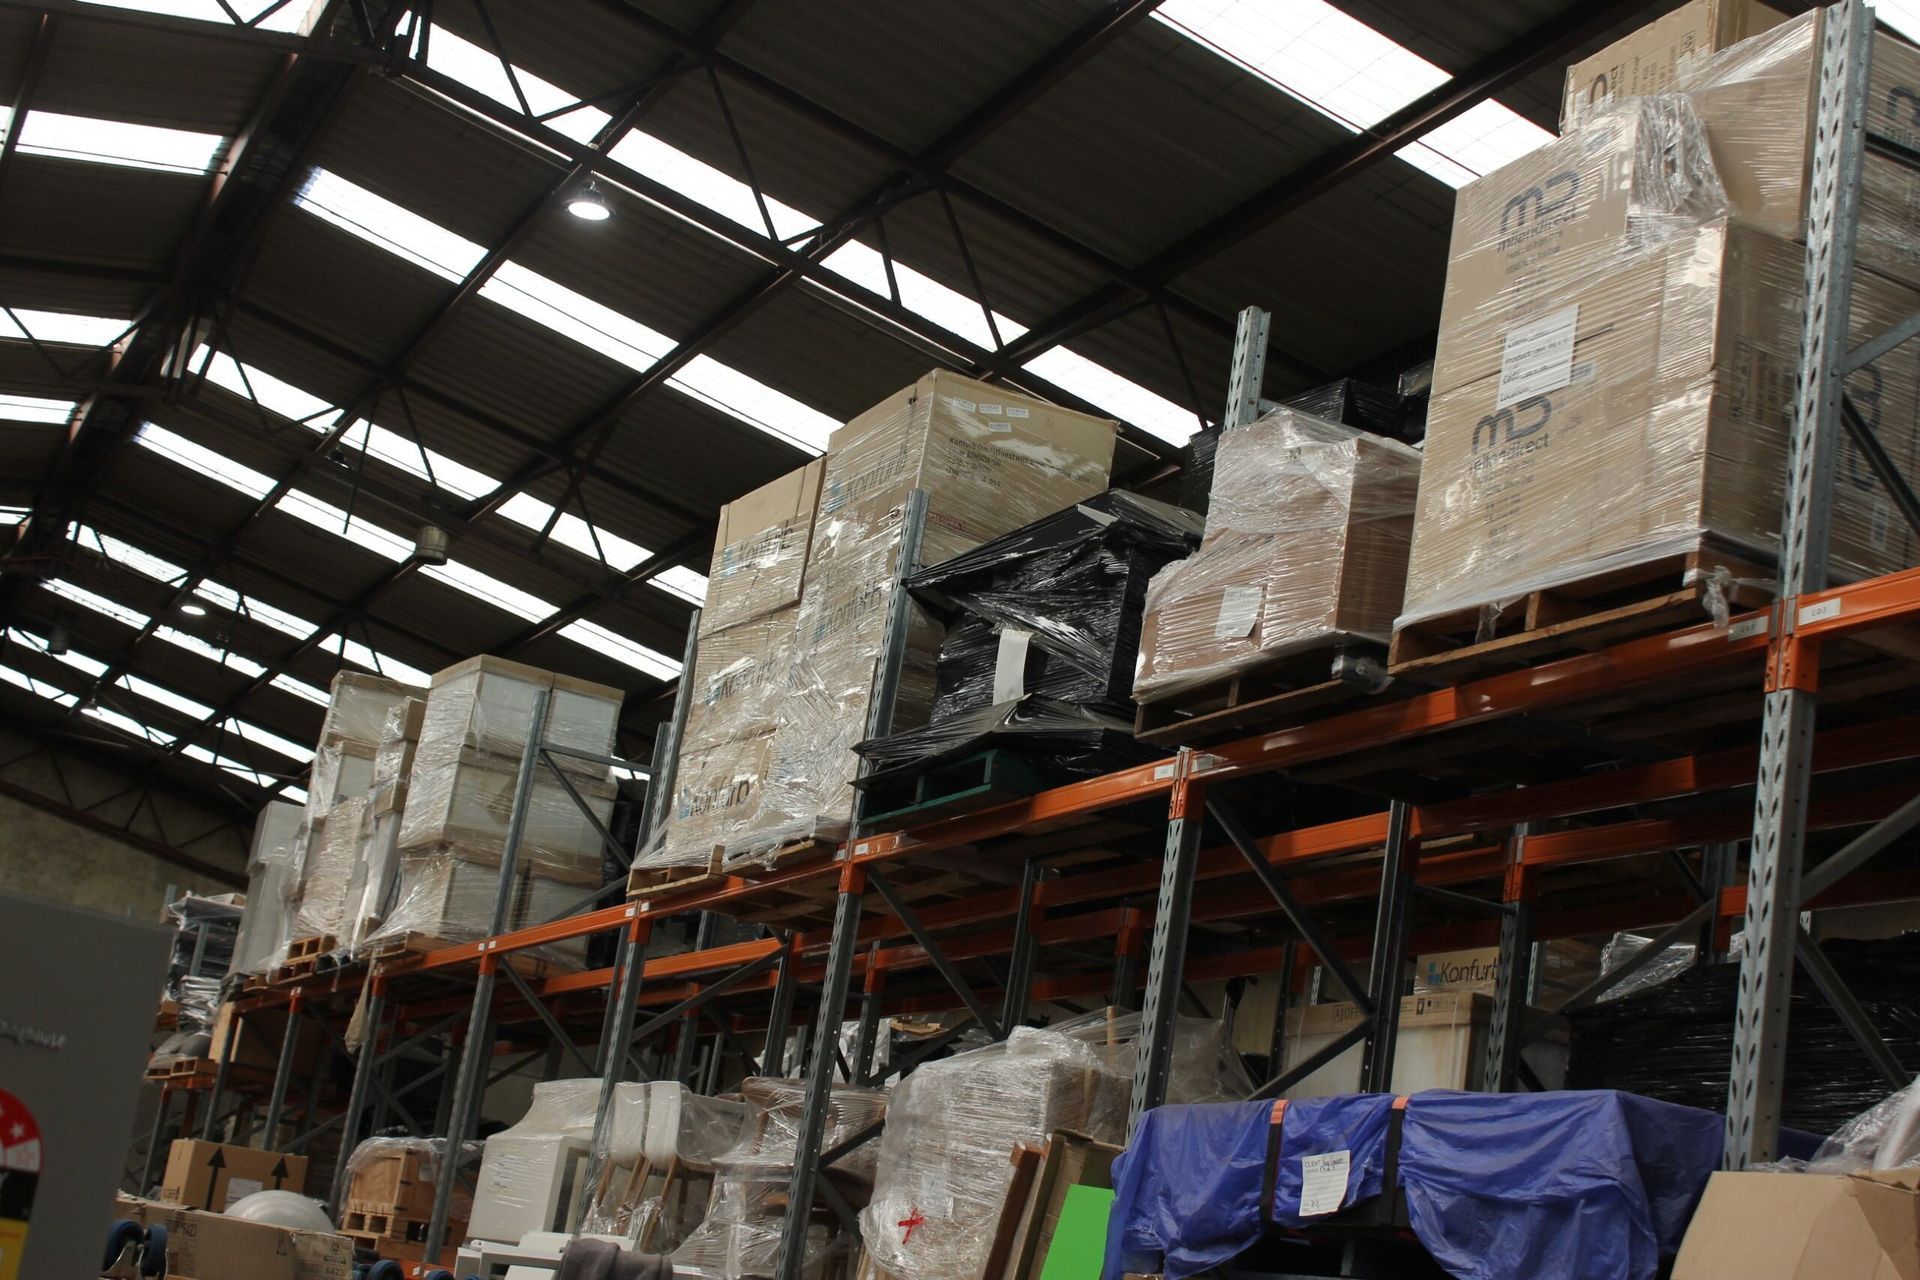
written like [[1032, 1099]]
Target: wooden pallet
[[401, 1248], [649, 882], [400, 947], [1276, 694], [189, 1073], [306, 957], [1575, 617]]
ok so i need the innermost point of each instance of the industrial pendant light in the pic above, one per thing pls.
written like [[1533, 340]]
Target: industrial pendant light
[[589, 204]]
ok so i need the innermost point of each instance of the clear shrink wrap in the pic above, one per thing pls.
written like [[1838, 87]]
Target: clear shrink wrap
[[740, 1234], [533, 1175], [760, 550], [1885, 1136], [989, 461], [266, 926], [460, 791], [944, 1162], [341, 770], [1306, 542], [1631, 409], [1756, 99], [396, 1177], [376, 874], [1649, 59], [327, 871], [655, 1168], [359, 706], [439, 899]]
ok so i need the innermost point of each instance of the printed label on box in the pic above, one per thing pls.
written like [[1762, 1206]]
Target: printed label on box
[[1239, 607], [990, 409], [239, 1189], [1323, 1182], [1538, 357], [1015, 411], [1000, 426]]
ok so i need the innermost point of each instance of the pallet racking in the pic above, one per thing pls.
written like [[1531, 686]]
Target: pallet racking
[[1520, 805]]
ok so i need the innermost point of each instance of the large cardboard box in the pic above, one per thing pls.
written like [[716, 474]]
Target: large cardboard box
[[258, 1046], [1565, 965], [1661, 427], [485, 704], [1307, 536], [760, 550], [1441, 1045], [208, 1246], [716, 793], [1648, 60], [212, 1175], [990, 460], [467, 808], [1757, 101], [1804, 1226], [358, 708], [737, 679]]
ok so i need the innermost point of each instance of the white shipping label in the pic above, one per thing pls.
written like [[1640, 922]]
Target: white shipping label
[[1001, 427], [1239, 610], [968, 406], [239, 1189], [1538, 357], [990, 409], [1010, 667], [1323, 1182], [1015, 411]]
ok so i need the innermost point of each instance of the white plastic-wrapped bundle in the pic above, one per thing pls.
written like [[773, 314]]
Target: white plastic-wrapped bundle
[[740, 1234], [327, 871], [533, 1176], [439, 899], [944, 1160], [266, 927], [1306, 543], [655, 1168], [989, 461], [359, 706]]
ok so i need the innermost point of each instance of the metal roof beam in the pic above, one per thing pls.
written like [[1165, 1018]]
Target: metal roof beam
[[1546, 43], [23, 94]]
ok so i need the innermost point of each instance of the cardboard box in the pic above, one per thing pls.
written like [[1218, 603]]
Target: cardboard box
[[760, 550], [1804, 1226], [212, 1175], [467, 808], [738, 677], [485, 704], [1648, 60], [358, 708], [1442, 1045], [716, 793], [1663, 427], [208, 1246], [1757, 101], [1566, 965], [1307, 538], [258, 1045]]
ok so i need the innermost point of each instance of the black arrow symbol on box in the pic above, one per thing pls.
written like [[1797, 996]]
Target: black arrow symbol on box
[[280, 1173], [216, 1162]]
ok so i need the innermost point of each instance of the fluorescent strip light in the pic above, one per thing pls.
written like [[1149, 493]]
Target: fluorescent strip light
[[115, 142], [61, 328], [54, 413], [1352, 75]]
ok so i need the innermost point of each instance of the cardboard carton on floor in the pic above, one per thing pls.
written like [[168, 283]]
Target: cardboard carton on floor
[[1805, 1226], [212, 1176], [210, 1246]]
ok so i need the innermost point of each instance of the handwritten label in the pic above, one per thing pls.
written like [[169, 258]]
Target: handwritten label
[[1323, 1182]]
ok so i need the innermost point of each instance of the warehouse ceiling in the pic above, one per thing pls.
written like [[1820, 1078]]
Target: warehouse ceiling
[[280, 283]]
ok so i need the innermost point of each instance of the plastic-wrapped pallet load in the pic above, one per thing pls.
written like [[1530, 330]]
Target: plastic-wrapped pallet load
[[944, 1166], [656, 1166], [357, 709], [1306, 542], [1648, 61], [390, 1189], [327, 870], [533, 1175], [266, 927], [740, 1235], [377, 864], [989, 461], [1612, 387]]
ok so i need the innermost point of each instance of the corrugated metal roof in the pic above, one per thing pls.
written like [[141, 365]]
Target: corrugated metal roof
[[1149, 140]]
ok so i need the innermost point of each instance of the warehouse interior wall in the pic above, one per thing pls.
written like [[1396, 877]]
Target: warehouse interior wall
[[46, 855]]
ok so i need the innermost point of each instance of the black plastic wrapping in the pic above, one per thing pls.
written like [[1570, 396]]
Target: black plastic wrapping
[[1068, 738], [1673, 1041], [1353, 403]]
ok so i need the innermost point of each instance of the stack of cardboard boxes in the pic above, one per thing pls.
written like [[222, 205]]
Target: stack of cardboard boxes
[[1621, 328], [781, 691]]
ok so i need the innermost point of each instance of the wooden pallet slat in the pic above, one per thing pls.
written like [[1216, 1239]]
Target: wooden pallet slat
[[1277, 693]]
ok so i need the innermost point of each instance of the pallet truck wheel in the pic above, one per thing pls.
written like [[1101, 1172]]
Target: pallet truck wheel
[[119, 1236], [153, 1259], [386, 1269]]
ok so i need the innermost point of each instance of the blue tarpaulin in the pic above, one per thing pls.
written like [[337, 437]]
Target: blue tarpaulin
[[1576, 1185]]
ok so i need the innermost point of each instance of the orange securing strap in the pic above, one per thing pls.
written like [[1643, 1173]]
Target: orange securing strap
[[1400, 1103], [1279, 1112]]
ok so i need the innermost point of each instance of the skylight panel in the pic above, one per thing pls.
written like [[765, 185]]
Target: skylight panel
[[921, 294], [571, 531], [211, 652], [379, 663], [754, 403], [271, 741], [255, 609], [252, 383], [126, 554], [164, 696], [301, 689], [54, 413], [297, 795], [132, 146], [361, 533], [246, 773], [40, 688], [1902, 15], [1154, 414], [620, 649], [289, 17], [61, 327], [10, 516], [1351, 74], [127, 724], [716, 189], [688, 584], [398, 451], [576, 316], [98, 603], [197, 457], [480, 70], [381, 222], [484, 586]]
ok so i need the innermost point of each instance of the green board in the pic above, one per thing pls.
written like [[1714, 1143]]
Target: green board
[[1079, 1243]]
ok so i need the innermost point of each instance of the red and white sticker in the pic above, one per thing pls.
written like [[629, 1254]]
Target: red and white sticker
[[20, 1157]]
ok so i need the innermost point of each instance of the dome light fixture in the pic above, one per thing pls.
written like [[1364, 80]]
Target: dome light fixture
[[588, 204], [193, 610]]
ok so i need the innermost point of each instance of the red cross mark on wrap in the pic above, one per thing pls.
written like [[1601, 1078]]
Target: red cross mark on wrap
[[916, 1220]]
